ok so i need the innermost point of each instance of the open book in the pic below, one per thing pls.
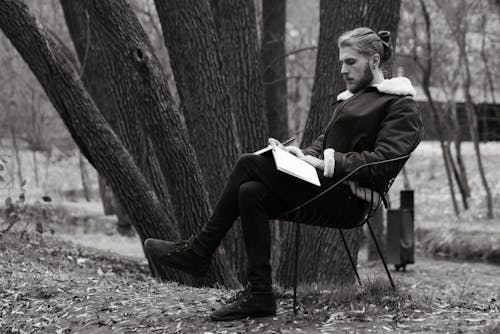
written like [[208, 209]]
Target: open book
[[290, 164]]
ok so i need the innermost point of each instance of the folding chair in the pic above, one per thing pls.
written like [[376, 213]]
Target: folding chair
[[378, 190]]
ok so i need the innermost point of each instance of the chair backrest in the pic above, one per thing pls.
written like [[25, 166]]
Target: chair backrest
[[382, 175]]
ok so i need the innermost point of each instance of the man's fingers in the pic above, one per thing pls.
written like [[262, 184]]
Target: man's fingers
[[295, 151], [274, 142]]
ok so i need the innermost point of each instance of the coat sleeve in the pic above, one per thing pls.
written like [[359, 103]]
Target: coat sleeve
[[400, 133], [316, 148]]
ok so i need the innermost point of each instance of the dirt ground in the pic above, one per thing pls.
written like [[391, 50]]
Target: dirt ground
[[50, 286]]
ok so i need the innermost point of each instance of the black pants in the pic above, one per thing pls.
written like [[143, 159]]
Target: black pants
[[256, 191]]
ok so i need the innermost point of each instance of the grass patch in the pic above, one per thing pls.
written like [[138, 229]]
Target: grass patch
[[354, 302], [50, 286], [456, 243]]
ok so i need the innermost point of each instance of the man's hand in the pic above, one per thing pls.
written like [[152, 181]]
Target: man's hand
[[295, 151], [275, 143], [315, 162], [290, 149]]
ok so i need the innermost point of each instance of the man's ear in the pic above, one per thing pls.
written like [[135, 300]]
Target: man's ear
[[375, 61]]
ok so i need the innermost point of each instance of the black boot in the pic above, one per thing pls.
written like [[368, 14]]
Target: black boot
[[178, 255], [248, 304]]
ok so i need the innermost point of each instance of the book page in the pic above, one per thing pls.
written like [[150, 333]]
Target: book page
[[290, 164]]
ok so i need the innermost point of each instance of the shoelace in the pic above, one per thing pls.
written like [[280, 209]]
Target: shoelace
[[240, 295], [183, 244]]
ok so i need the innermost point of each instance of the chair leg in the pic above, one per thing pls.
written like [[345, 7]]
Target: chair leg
[[297, 233], [350, 256], [380, 254]]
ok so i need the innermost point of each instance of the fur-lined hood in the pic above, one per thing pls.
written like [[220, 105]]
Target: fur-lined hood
[[395, 86]]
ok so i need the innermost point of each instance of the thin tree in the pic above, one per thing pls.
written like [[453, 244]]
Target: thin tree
[[459, 32], [426, 68]]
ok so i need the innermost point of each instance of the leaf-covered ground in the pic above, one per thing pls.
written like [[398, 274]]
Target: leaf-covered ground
[[50, 286]]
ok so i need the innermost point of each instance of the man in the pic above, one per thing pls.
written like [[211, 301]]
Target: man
[[373, 120]]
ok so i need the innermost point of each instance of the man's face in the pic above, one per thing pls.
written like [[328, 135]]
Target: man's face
[[355, 69]]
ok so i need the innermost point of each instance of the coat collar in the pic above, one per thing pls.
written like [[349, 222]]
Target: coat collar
[[395, 86]]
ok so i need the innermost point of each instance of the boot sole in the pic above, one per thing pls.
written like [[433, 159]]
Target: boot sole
[[243, 316], [177, 266]]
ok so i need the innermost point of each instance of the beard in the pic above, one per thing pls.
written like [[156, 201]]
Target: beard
[[365, 80]]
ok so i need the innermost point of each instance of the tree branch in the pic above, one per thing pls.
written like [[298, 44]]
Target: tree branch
[[307, 48]]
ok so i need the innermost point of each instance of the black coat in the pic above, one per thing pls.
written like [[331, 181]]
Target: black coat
[[370, 126]]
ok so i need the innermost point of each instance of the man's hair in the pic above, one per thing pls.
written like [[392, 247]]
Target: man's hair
[[367, 42]]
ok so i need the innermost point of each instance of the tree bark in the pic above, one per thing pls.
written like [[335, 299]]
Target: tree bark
[[274, 65], [325, 260], [202, 82], [199, 72], [273, 49], [237, 31], [85, 177], [106, 196], [145, 91], [87, 126], [107, 73]]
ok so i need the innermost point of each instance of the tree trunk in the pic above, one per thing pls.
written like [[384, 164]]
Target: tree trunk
[[456, 10], [472, 120], [200, 76], [85, 177], [107, 73], [124, 224], [35, 168], [202, 82], [106, 196], [18, 158], [324, 259], [457, 142], [273, 48], [88, 127], [48, 157], [274, 65], [237, 30], [139, 77], [426, 77]]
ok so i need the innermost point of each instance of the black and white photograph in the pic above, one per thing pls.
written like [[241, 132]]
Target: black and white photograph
[[249, 166]]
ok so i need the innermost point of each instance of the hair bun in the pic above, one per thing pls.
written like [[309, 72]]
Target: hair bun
[[385, 36]]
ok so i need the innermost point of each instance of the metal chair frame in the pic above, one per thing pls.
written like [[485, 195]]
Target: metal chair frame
[[372, 207]]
